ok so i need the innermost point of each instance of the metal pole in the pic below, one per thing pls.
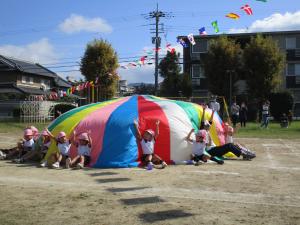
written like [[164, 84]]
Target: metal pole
[[156, 50]]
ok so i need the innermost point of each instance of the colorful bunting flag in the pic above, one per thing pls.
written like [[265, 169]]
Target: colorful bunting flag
[[191, 39], [233, 16], [182, 42], [215, 26], [247, 9], [202, 31]]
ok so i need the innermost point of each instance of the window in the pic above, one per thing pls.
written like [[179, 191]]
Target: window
[[30, 80], [290, 43], [197, 72], [195, 82], [24, 79], [200, 46], [45, 83], [297, 69]]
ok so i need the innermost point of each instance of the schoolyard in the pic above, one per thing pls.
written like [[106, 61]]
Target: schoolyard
[[262, 191]]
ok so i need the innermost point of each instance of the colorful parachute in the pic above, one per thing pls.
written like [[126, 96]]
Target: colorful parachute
[[113, 133]]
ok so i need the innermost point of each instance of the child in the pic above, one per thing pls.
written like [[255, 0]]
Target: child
[[45, 146], [84, 151], [246, 153], [26, 145], [63, 145], [39, 151], [199, 146], [147, 142]]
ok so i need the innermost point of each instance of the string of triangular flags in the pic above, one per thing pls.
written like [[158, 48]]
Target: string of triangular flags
[[202, 31], [148, 58]]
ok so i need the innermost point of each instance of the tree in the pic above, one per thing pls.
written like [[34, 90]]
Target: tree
[[145, 89], [263, 64], [169, 69], [100, 61], [186, 85], [222, 60]]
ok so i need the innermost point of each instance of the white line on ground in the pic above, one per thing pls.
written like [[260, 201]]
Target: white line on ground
[[213, 172]]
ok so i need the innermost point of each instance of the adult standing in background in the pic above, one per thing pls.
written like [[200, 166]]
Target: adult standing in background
[[265, 113], [243, 114], [235, 111], [214, 105]]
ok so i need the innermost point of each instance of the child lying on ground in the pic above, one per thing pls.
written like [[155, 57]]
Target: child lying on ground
[[229, 132], [84, 146], [147, 142], [212, 153], [63, 145]]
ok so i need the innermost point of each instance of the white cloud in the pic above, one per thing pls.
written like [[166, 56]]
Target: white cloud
[[275, 22], [76, 23], [40, 51], [143, 74]]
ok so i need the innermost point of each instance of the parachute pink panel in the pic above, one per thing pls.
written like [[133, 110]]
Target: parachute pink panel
[[113, 132]]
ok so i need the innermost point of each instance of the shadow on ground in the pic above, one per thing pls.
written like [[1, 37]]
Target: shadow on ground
[[141, 201], [108, 180], [152, 217], [117, 190]]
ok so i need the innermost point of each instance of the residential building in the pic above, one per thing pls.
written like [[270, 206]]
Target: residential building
[[288, 42], [20, 79]]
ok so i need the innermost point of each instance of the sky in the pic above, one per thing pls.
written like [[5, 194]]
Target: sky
[[55, 33]]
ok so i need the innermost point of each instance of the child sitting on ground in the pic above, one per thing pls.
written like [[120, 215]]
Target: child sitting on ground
[[147, 142], [199, 146], [24, 146], [84, 146], [63, 145], [46, 142], [40, 150]]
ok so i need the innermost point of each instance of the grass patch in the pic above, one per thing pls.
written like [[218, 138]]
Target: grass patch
[[274, 131], [16, 127], [252, 130]]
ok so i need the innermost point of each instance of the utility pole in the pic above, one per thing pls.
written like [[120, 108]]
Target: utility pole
[[156, 40]]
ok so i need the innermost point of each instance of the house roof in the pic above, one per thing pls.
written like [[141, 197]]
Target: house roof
[[26, 67], [11, 64]]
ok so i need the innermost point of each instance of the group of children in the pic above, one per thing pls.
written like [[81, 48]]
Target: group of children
[[203, 149], [34, 145]]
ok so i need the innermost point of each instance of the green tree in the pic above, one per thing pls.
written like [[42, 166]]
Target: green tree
[[263, 64], [169, 69], [223, 58], [186, 85], [100, 60]]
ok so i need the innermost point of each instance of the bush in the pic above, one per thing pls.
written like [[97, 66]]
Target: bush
[[62, 108], [281, 102]]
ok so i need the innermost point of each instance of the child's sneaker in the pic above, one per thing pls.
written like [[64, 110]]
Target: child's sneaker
[[150, 166], [197, 163], [190, 162], [80, 166], [44, 164], [20, 160], [164, 164], [55, 165], [68, 162], [2, 155]]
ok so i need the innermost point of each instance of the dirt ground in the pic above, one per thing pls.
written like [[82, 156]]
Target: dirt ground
[[262, 191]]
